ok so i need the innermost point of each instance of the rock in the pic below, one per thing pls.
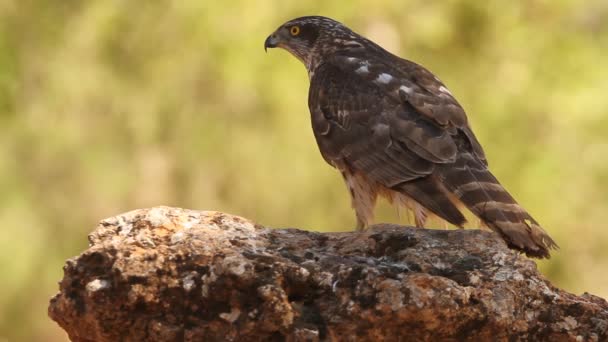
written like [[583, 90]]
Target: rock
[[168, 274]]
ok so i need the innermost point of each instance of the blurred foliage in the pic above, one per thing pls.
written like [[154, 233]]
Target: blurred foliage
[[107, 106]]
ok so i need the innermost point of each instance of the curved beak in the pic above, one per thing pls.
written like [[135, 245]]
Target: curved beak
[[271, 42]]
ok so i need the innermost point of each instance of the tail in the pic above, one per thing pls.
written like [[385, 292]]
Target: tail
[[471, 182]]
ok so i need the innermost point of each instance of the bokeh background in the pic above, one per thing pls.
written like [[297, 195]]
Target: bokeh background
[[108, 106]]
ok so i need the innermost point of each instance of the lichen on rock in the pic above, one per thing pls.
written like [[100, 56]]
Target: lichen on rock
[[169, 274]]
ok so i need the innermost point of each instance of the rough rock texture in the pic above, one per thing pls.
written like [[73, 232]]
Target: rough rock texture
[[168, 274]]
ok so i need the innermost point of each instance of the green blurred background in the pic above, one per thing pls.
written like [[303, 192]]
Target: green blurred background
[[108, 106]]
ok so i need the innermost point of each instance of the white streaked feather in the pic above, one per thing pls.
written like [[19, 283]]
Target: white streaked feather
[[384, 78], [406, 89], [444, 90], [363, 69]]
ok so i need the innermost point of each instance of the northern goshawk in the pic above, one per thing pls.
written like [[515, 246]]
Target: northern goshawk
[[393, 129]]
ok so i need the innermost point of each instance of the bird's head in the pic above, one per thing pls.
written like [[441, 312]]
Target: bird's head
[[310, 38]]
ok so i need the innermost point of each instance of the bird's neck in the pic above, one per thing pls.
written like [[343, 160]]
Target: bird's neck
[[313, 61]]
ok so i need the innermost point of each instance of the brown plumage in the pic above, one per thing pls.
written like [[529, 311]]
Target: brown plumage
[[394, 130]]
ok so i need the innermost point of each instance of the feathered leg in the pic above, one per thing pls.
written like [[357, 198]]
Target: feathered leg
[[363, 196], [404, 203]]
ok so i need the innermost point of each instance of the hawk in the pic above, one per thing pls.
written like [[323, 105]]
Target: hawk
[[393, 129]]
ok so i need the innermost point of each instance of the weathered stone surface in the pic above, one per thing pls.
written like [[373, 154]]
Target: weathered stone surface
[[168, 274]]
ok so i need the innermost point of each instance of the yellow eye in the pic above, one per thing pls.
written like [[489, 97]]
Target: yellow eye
[[295, 30]]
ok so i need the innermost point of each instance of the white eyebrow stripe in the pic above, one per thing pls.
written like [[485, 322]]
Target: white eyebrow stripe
[[384, 78]]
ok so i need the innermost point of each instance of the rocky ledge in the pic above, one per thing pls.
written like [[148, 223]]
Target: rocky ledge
[[169, 274]]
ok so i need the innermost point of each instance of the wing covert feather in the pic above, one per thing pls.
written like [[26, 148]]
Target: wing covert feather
[[351, 121], [372, 128]]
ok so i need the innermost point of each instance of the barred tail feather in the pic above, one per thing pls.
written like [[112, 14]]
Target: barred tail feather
[[473, 184]]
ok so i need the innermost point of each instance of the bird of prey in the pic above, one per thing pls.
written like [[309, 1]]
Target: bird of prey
[[393, 129]]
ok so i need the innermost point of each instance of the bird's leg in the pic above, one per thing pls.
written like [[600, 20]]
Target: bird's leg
[[360, 225], [364, 209], [402, 205], [419, 221], [404, 202], [419, 215], [363, 195]]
